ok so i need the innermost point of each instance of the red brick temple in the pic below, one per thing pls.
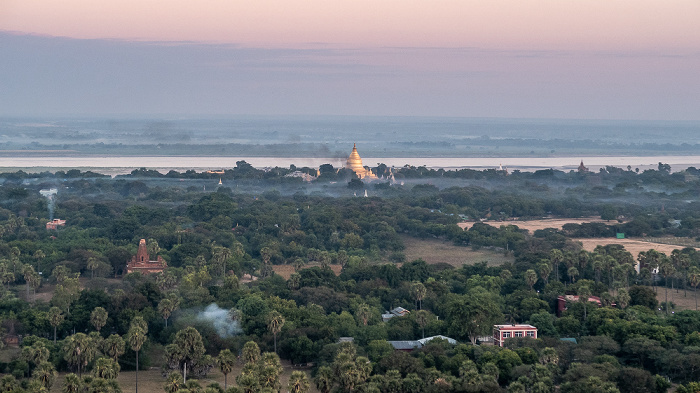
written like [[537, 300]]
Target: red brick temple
[[141, 262]]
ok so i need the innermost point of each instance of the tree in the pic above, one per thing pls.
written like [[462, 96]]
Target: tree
[[583, 294], [173, 383], [28, 272], [72, 384], [113, 346], [79, 350], [56, 318], [251, 352], [46, 374], [418, 290], [275, 321], [226, 360], [186, 349], [39, 256], [694, 278], [422, 320], [473, 314], [545, 269], [572, 273], [324, 379], [623, 298], [298, 382], [35, 354], [136, 338], [531, 278], [363, 313], [106, 368], [92, 265], [294, 281], [166, 307], [98, 318], [666, 269], [556, 256]]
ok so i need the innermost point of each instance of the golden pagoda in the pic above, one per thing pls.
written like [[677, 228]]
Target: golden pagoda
[[354, 162]]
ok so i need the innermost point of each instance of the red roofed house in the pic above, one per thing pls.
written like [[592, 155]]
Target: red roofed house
[[503, 332], [142, 263], [54, 224], [561, 302]]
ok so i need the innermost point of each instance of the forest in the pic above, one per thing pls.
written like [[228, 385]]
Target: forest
[[73, 319]]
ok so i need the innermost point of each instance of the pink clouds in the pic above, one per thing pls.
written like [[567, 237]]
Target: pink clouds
[[513, 24]]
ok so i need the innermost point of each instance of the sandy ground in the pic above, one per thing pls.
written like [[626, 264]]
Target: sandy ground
[[631, 245], [634, 246], [533, 225], [438, 251]]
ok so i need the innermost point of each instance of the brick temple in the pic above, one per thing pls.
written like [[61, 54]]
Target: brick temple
[[141, 262]]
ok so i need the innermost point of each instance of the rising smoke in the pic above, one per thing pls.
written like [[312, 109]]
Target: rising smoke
[[50, 196], [221, 319]]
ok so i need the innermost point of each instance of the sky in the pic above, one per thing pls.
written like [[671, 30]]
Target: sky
[[591, 59]]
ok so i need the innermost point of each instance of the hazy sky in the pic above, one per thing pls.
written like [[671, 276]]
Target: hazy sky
[[636, 59]]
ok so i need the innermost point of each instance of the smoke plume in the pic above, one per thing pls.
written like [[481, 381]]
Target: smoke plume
[[221, 319]]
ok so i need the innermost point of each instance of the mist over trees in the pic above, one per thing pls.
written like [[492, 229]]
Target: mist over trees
[[67, 294]]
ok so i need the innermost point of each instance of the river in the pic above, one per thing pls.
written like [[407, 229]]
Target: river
[[124, 164]]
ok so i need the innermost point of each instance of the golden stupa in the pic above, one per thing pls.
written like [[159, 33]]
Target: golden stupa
[[354, 162]]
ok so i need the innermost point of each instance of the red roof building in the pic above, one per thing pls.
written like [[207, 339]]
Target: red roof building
[[562, 300], [142, 263], [503, 332], [54, 224]]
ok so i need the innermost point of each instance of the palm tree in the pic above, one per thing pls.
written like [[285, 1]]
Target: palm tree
[[583, 294], [186, 349], [106, 368], [56, 318], [298, 264], [556, 257], [28, 272], [422, 320], [98, 318], [545, 270], [72, 384], [275, 321], [598, 267], [173, 383], [136, 338], [531, 278], [418, 290], [298, 382], [251, 352], [623, 298], [572, 273], [666, 269], [363, 313], [92, 265], [324, 379], [39, 256], [165, 308], [694, 278], [46, 374], [226, 360], [113, 346], [79, 350], [294, 281]]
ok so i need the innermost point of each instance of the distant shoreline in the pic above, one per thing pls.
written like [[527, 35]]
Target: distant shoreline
[[114, 165]]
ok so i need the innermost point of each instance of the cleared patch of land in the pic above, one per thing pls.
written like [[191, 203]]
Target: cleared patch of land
[[286, 270], [683, 299], [533, 225], [631, 245], [634, 246], [438, 251]]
